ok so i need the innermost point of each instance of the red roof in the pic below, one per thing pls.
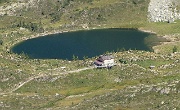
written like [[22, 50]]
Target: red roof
[[98, 62], [105, 57]]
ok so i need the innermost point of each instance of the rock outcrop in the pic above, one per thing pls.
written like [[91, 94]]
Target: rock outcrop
[[163, 10], [10, 9]]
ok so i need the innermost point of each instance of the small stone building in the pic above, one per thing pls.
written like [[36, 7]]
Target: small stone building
[[104, 61]]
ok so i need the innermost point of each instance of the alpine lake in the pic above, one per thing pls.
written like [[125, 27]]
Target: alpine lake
[[86, 43]]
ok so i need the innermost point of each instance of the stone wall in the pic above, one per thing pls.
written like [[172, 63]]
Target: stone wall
[[163, 10]]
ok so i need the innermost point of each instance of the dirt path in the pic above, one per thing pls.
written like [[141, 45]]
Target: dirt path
[[28, 80], [75, 71], [42, 75]]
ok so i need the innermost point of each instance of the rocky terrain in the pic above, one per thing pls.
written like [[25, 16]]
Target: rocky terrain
[[12, 8], [130, 86], [158, 10], [163, 10]]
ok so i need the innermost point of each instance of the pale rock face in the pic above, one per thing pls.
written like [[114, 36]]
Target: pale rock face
[[10, 9], [163, 11]]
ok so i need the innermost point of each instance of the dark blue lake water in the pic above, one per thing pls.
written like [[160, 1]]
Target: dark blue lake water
[[82, 43]]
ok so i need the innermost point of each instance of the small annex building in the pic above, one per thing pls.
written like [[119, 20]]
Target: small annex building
[[104, 61]]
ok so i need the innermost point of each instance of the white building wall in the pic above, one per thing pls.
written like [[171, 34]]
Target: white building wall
[[109, 62]]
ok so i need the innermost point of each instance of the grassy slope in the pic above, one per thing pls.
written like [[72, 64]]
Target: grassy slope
[[123, 87]]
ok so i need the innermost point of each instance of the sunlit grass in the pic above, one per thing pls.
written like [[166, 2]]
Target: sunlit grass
[[164, 28]]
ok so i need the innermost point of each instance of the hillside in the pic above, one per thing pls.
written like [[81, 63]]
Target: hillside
[[74, 14], [45, 84]]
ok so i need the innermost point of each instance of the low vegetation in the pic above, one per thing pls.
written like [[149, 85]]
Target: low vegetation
[[60, 84]]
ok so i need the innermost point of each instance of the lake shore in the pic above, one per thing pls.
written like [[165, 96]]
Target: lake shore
[[83, 43], [169, 40], [18, 40]]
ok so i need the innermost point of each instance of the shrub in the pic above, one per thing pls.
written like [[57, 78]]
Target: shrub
[[174, 49], [1, 42]]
